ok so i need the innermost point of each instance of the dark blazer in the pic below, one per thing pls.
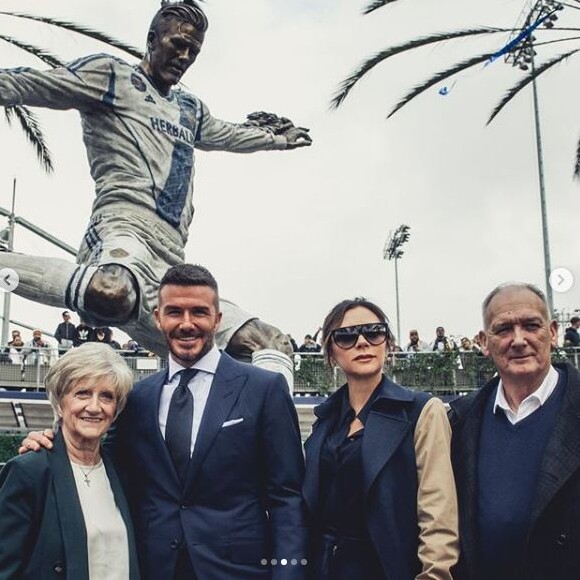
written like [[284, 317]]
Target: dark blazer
[[389, 473], [241, 505], [553, 545], [42, 530]]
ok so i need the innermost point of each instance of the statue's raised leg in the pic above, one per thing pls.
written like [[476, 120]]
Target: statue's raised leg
[[42, 279]]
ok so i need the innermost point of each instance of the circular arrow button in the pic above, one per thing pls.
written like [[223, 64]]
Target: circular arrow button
[[9, 279], [561, 280]]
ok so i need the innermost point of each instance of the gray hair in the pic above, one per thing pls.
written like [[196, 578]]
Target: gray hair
[[512, 286], [91, 362]]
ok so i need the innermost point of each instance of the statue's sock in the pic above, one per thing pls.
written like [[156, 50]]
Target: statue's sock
[[41, 279]]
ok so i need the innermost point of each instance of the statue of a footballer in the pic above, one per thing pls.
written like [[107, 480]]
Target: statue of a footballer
[[140, 134]]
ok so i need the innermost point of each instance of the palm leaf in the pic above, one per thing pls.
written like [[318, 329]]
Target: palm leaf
[[577, 166], [536, 72], [347, 85], [376, 5], [437, 78], [45, 56], [32, 130], [80, 29]]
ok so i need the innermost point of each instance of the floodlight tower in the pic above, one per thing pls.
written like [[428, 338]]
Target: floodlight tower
[[393, 251], [522, 56]]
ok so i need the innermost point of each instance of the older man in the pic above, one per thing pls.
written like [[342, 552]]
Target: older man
[[516, 450], [140, 133]]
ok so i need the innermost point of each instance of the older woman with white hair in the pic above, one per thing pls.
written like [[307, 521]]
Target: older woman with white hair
[[63, 512]]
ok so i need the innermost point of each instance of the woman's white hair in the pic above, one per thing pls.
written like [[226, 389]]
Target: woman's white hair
[[92, 362]]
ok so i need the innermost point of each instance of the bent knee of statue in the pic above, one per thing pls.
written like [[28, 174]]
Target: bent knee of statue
[[257, 335], [111, 294]]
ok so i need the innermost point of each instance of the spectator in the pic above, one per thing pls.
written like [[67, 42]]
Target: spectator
[[571, 336], [105, 335], [36, 350], [133, 348], [465, 345], [65, 332], [441, 342], [15, 348], [415, 343], [83, 333], [310, 345], [293, 343]]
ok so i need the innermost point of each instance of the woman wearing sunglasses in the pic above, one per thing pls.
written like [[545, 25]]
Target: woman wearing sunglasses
[[378, 484]]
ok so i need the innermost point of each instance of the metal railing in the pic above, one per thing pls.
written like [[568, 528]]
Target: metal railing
[[437, 372], [441, 373]]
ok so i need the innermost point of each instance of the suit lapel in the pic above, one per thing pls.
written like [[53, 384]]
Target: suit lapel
[[72, 525], [384, 432], [465, 468], [227, 384], [385, 428], [562, 454]]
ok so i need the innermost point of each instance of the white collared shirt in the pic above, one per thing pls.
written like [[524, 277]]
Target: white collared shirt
[[200, 386], [532, 402]]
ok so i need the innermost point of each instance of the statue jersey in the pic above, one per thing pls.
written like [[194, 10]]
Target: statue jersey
[[140, 143]]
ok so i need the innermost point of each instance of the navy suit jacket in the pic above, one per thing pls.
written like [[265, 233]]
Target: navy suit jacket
[[241, 505], [553, 545]]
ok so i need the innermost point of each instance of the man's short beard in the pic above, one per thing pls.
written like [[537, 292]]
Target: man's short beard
[[208, 345]]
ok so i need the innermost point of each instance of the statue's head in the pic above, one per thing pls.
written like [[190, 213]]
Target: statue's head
[[174, 40]]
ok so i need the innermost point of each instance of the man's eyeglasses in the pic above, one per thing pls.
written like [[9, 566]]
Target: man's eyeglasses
[[347, 336]]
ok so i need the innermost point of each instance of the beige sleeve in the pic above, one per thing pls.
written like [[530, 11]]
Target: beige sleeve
[[436, 496]]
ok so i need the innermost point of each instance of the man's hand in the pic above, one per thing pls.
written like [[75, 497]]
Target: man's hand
[[297, 137], [37, 440]]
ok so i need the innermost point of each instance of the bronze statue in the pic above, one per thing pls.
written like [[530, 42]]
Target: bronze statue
[[140, 133]]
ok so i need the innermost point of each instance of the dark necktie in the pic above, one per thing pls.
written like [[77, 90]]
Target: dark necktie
[[179, 423]]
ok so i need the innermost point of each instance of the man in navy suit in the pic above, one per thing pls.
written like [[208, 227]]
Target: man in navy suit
[[230, 506], [516, 449]]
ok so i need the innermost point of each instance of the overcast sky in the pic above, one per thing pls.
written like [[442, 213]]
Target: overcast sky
[[289, 234]]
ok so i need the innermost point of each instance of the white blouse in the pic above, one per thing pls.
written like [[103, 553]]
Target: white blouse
[[107, 542]]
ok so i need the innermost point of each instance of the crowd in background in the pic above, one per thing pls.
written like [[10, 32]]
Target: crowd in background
[[441, 341], [67, 335]]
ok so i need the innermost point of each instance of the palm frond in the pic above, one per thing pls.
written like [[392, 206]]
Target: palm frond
[[577, 165], [437, 78], [347, 85], [80, 29], [32, 130], [45, 56], [376, 5], [536, 72]]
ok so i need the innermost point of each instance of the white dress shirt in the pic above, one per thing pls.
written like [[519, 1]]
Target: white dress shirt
[[199, 386], [532, 402]]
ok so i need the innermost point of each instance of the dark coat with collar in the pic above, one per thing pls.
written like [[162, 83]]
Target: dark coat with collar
[[553, 545], [241, 505], [42, 530], [389, 473]]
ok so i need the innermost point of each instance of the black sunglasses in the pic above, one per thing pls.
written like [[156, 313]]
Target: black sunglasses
[[347, 336]]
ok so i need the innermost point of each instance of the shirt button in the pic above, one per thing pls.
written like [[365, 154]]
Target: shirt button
[[183, 506], [562, 539], [58, 568], [174, 544]]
